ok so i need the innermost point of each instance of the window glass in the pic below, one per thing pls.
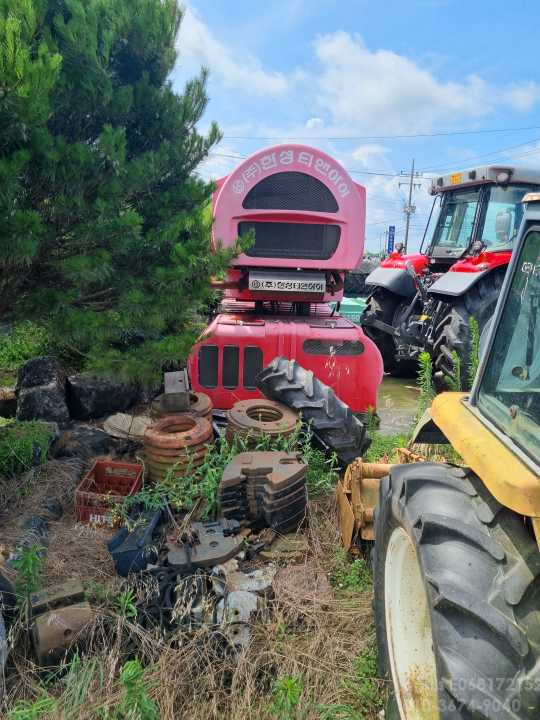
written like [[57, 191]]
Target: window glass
[[208, 366], [509, 393], [503, 215], [230, 366], [253, 364], [456, 220]]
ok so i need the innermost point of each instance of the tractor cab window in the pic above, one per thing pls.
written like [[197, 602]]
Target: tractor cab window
[[455, 225], [509, 392], [503, 216]]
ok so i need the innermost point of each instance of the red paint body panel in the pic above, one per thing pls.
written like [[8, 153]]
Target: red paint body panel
[[354, 378], [398, 262], [484, 261]]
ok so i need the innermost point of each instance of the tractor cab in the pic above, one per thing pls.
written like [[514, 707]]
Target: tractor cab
[[475, 211]]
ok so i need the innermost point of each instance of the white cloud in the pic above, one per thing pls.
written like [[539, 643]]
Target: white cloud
[[235, 68], [365, 154], [382, 92]]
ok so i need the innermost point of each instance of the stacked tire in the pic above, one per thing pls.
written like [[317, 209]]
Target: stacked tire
[[253, 420], [177, 443]]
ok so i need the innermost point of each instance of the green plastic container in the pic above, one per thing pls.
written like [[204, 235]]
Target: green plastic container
[[352, 308]]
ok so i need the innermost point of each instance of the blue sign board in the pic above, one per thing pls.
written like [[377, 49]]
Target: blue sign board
[[391, 237]]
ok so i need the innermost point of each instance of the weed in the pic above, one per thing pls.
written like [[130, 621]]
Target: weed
[[286, 694], [125, 604], [353, 575], [82, 677], [338, 712], [25, 341], [182, 491], [22, 445], [474, 356], [366, 686], [384, 447], [29, 565], [43, 707], [425, 382], [135, 702], [454, 383]]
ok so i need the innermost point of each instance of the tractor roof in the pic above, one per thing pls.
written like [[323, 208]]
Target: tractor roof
[[494, 174]]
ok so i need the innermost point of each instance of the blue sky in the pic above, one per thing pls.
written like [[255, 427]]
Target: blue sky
[[319, 71]]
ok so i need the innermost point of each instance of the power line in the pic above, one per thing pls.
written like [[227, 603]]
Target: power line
[[442, 133], [489, 154], [349, 170]]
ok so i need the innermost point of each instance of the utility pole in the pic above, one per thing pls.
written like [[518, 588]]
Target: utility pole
[[409, 209]]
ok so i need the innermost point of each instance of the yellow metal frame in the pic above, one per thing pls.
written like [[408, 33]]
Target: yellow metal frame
[[506, 477]]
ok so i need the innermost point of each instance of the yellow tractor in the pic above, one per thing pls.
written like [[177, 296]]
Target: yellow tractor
[[457, 549]]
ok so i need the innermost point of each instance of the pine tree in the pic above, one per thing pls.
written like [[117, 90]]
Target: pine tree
[[104, 229]]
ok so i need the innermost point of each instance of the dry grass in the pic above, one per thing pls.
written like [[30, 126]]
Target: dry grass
[[308, 635]]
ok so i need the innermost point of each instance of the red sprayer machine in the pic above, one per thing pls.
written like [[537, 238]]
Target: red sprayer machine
[[308, 220]]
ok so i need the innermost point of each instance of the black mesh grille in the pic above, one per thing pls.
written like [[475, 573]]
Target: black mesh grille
[[291, 191], [292, 240], [331, 347], [230, 366], [208, 366], [253, 364]]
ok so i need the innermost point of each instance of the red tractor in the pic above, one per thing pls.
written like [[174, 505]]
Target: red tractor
[[308, 219], [423, 302]]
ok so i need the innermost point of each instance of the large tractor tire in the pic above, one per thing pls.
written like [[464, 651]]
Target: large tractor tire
[[289, 383], [386, 306], [457, 599], [453, 333]]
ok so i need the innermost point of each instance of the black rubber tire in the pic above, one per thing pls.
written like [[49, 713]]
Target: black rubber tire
[[288, 382], [385, 306], [481, 571], [453, 333], [355, 284]]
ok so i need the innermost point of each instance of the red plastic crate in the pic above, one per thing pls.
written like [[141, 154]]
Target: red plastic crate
[[105, 485]]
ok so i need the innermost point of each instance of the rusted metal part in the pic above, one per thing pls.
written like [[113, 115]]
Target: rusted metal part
[[204, 545], [265, 488], [180, 440], [252, 419], [60, 616], [56, 631], [200, 405], [358, 496]]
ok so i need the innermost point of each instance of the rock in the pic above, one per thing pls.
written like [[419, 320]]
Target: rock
[[44, 370], [45, 402], [83, 441], [41, 391], [93, 397]]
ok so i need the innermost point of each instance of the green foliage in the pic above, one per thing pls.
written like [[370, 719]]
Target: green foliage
[[286, 694], [384, 446], [454, 383], [29, 565], [474, 356], [366, 686], [104, 227], [181, 491], [425, 382], [22, 445], [125, 604], [43, 707], [135, 704], [353, 576], [25, 341]]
